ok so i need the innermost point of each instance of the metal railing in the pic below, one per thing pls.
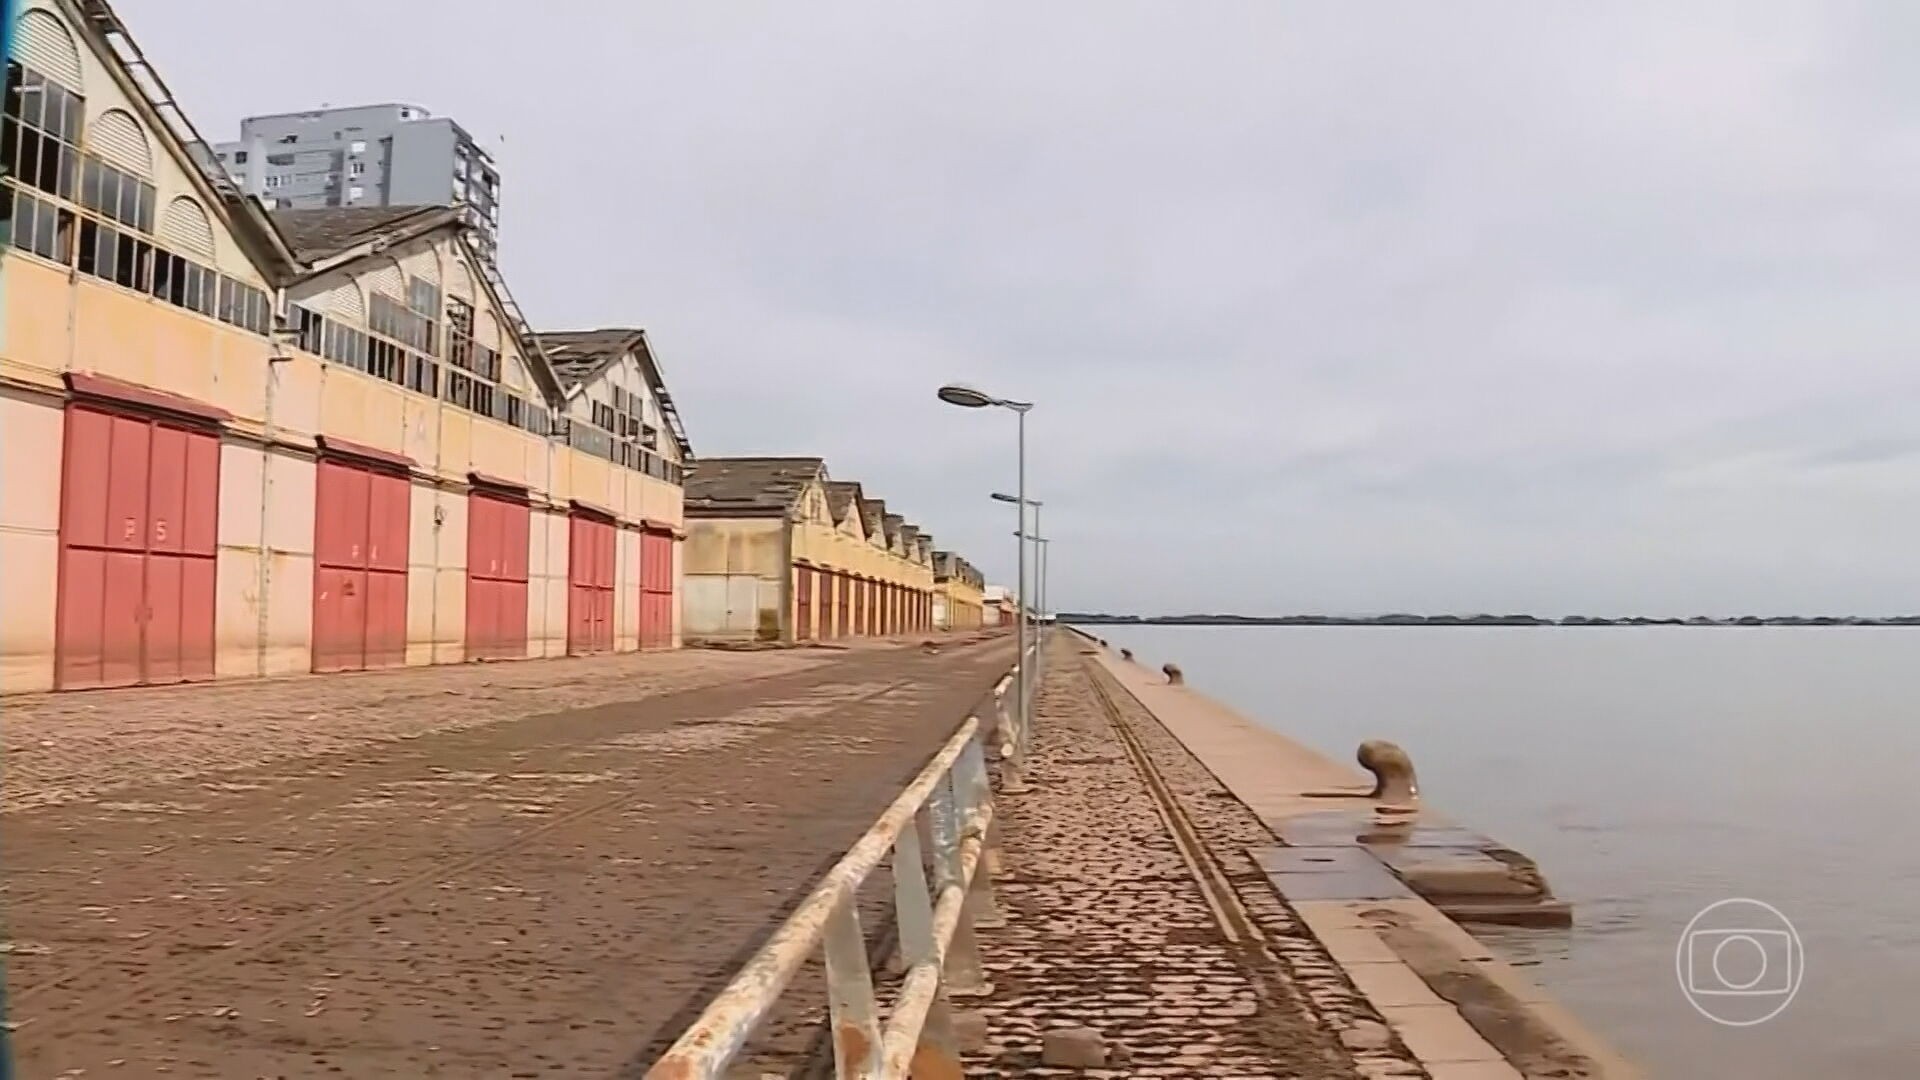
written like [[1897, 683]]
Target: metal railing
[[938, 832]]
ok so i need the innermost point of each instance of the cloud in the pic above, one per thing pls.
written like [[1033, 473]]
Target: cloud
[[1457, 307]]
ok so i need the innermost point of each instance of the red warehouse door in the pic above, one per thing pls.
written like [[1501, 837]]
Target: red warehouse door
[[656, 590], [803, 603], [845, 583], [859, 606], [830, 604], [498, 527], [590, 584], [138, 506], [361, 521]]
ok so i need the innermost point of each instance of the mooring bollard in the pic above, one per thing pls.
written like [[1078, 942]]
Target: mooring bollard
[[1394, 780], [1174, 677], [1127, 655]]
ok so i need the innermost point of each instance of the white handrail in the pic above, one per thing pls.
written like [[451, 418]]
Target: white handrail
[[950, 805]]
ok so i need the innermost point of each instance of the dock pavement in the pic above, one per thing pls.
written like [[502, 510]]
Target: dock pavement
[[543, 868], [1157, 923]]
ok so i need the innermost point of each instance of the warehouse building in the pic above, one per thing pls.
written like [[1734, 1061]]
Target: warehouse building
[[778, 551], [242, 444]]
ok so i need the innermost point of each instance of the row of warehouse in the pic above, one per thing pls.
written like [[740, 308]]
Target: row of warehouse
[[240, 443]]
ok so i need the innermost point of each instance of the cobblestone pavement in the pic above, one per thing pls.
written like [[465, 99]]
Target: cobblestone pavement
[[1109, 928], [61, 747], [552, 887]]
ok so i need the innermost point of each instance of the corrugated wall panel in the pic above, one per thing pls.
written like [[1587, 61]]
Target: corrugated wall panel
[[43, 43], [386, 280], [119, 140], [186, 229]]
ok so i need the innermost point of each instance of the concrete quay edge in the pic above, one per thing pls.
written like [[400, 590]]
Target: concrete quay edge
[[1426, 975]]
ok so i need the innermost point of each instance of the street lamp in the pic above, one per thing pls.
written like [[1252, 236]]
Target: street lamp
[[1001, 496], [968, 397]]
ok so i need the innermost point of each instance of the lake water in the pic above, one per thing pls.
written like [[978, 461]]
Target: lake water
[[1651, 772]]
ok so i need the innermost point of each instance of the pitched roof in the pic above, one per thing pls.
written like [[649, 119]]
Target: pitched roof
[[873, 513], [578, 356], [893, 523], [96, 22], [319, 233], [748, 486], [843, 496]]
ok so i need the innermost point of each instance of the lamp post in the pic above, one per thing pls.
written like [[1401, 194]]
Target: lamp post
[[1040, 543], [1030, 599], [969, 398]]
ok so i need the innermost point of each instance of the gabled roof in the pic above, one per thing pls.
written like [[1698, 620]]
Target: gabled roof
[[336, 236], [843, 498], [580, 355], [320, 234], [243, 215], [873, 514], [893, 523], [910, 537], [749, 486]]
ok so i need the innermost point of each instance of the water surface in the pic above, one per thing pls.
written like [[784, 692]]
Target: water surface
[[1651, 772]]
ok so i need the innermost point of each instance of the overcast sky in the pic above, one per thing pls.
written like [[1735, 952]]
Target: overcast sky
[[1458, 307]]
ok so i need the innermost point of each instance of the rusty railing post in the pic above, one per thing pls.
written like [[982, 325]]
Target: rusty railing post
[[970, 775], [936, 1054], [854, 1017]]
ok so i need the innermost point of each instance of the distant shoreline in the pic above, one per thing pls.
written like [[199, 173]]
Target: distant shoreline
[[1096, 619]]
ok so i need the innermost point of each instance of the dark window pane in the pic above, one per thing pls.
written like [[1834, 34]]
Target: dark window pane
[[143, 217], [128, 210], [69, 166], [32, 98], [51, 152], [166, 275], [105, 189], [15, 77], [88, 260], [49, 238], [133, 261], [24, 156], [70, 109]]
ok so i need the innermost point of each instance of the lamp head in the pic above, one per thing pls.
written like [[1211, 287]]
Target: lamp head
[[965, 396]]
